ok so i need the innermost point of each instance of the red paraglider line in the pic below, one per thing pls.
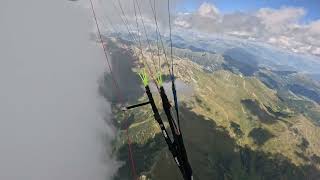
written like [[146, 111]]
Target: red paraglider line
[[119, 95]]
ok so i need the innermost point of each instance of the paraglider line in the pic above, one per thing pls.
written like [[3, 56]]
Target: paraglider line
[[120, 97]]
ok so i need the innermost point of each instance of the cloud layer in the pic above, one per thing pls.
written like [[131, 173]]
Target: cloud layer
[[280, 27], [52, 117]]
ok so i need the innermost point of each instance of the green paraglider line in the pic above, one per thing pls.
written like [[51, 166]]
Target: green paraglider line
[[176, 146]]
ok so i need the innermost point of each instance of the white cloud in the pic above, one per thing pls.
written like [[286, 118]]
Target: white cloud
[[280, 27], [278, 20], [314, 28], [50, 115], [208, 10], [181, 23], [316, 51]]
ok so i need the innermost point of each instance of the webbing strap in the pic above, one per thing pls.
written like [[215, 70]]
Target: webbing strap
[[171, 145], [137, 105], [182, 154], [176, 146], [175, 99]]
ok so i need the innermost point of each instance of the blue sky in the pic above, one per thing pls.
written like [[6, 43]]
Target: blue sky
[[312, 7]]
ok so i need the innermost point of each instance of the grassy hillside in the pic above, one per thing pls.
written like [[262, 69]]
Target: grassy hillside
[[235, 127]]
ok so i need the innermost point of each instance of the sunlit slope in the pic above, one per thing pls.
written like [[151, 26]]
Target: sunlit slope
[[248, 109], [235, 127]]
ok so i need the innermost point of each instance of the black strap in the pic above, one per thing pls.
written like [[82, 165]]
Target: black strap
[[178, 139], [137, 105], [175, 99], [176, 146], [171, 145]]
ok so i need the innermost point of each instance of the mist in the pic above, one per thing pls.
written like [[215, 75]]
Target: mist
[[112, 18], [52, 119]]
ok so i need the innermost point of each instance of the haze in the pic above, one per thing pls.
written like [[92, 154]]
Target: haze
[[52, 118]]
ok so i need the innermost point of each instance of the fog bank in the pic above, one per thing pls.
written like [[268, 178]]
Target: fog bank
[[51, 116]]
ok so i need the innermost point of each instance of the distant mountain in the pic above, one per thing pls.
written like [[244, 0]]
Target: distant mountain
[[245, 119], [264, 54], [315, 76]]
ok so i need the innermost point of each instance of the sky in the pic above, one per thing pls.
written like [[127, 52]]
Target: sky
[[292, 25], [229, 6], [52, 119]]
